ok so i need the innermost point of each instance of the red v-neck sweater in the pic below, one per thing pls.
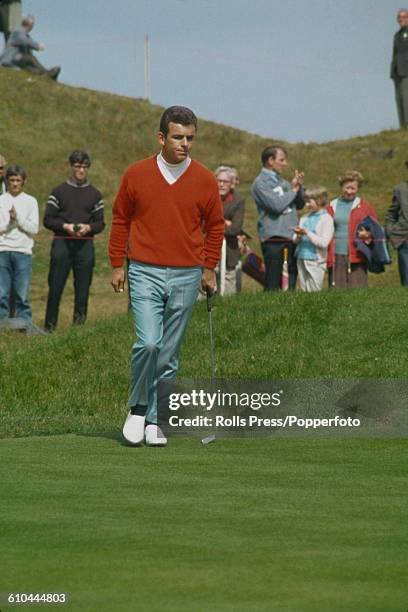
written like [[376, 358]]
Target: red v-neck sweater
[[168, 225]]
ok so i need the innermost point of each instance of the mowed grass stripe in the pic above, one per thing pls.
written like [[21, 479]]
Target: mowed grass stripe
[[261, 524]]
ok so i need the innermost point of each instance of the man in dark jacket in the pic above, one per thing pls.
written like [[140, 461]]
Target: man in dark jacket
[[75, 214], [234, 210], [399, 67], [396, 227], [3, 181]]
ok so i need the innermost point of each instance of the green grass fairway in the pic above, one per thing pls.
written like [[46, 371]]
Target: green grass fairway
[[239, 525], [272, 524]]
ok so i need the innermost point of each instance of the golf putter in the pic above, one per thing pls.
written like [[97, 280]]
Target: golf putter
[[211, 438], [210, 330]]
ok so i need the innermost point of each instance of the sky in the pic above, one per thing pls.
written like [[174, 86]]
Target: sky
[[298, 70]]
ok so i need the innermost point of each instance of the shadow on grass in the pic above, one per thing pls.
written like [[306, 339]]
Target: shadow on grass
[[110, 435]]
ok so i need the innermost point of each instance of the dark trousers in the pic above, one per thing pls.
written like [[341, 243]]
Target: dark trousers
[[29, 62], [273, 258], [401, 99], [66, 254], [403, 263]]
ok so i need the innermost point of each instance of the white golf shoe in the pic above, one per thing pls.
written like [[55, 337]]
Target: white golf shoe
[[154, 436], [134, 428]]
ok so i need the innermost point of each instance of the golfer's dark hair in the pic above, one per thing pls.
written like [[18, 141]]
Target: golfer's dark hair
[[177, 114], [271, 151], [79, 157], [16, 171]]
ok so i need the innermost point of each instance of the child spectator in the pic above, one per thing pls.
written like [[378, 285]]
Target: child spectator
[[313, 235]]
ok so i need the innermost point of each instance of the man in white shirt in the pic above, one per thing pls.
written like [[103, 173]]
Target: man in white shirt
[[19, 221]]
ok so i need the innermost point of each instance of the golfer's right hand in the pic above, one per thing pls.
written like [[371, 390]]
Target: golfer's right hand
[[118, 280], [208, 281]]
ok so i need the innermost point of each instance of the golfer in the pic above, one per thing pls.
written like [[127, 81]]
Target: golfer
[[167, 219]]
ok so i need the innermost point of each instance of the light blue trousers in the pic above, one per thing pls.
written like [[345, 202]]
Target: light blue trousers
[[162, 301]]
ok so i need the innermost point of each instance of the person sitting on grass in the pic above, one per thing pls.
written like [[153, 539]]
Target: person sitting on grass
[[18, 224], [313, 235], [19, 51]]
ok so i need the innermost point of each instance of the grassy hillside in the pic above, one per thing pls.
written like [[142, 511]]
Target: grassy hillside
[[43, 121]]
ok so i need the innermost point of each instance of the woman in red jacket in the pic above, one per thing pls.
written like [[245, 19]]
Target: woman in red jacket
[[347, 266]]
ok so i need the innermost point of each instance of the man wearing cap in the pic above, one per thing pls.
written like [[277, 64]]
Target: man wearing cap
[[399, 67], [19, 51], [167, 218], [75, 214]]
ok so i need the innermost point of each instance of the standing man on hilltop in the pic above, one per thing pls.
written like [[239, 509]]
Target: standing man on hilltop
[[167, 218], [399, 67], [75, 214], [10, 16]]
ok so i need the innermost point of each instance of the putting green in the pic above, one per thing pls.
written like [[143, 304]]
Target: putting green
[[271, 524]]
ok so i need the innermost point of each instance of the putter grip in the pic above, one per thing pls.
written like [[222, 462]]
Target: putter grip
[[208, 301]]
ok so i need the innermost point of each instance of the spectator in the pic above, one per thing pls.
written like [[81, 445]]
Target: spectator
[[396, 227], [4, 189], [10, 16], [3, 181], [167, 217], [399, 67], [75, 214], [235, 178], [18, 225], [234, 210], [348, 266], [313, 235], [277, 202], [19, 51]]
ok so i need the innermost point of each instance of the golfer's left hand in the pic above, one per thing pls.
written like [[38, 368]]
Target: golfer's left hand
[[208, 281]]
